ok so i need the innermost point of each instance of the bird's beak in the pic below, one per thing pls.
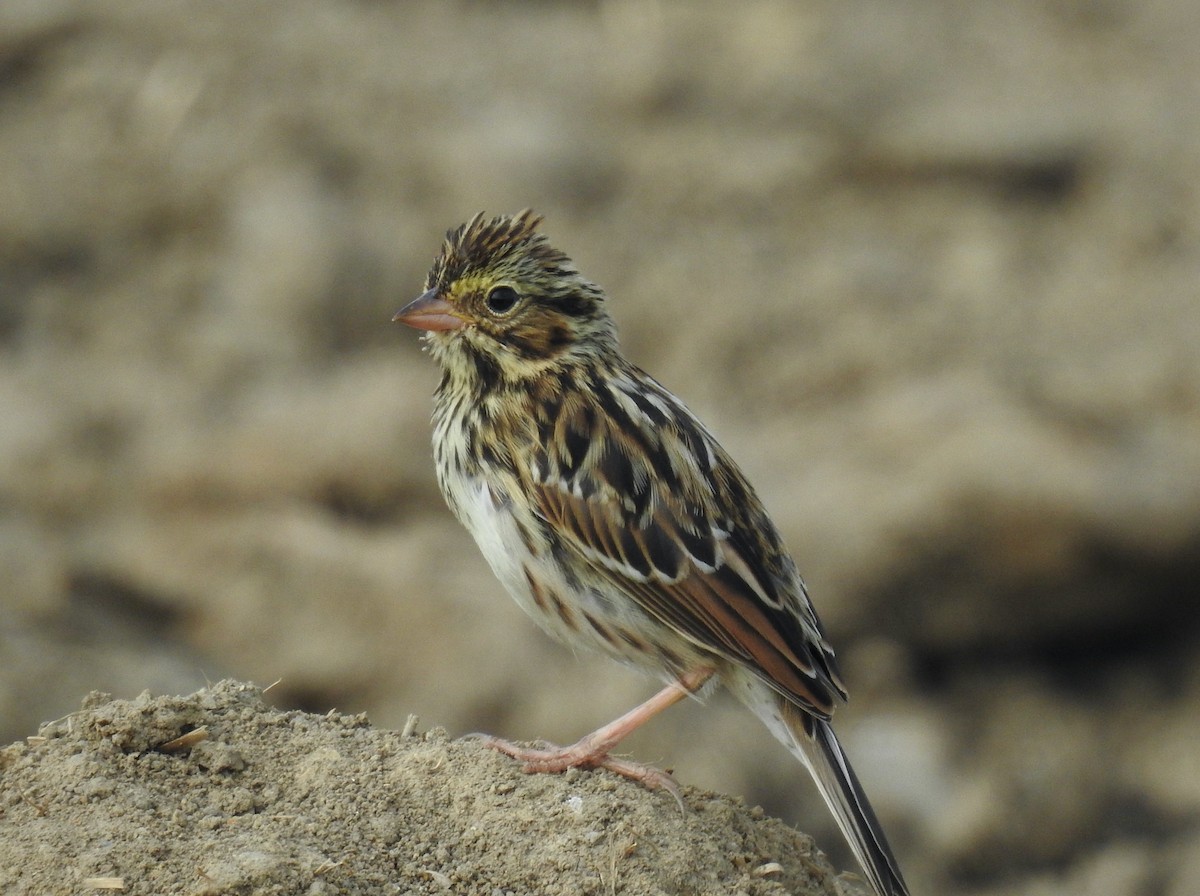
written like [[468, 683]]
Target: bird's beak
[[429, 311]]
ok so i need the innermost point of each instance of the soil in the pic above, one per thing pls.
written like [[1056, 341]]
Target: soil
[[259, 801]]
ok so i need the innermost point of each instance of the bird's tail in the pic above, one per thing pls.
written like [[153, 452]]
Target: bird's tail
[[813, 742]]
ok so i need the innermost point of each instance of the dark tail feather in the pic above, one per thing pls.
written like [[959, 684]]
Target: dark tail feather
[[817, 747]]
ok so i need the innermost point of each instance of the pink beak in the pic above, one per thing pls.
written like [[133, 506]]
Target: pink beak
[[429, 311]]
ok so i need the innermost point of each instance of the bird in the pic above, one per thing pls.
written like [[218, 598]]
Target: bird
[[613, 516]]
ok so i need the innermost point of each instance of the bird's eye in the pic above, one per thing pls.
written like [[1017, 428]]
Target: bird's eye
[[502, 299]]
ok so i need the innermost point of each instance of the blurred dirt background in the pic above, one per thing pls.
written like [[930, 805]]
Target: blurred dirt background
[[928, 269]]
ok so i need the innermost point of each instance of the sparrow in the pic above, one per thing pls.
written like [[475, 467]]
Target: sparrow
[[614, 518]]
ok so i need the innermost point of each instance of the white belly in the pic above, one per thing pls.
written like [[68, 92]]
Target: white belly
[[575, 611], [579, 606], [490, 521]]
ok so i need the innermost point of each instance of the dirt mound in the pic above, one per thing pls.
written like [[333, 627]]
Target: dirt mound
[[218, 793]]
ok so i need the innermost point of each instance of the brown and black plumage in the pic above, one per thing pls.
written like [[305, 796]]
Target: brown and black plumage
[[613, 517]]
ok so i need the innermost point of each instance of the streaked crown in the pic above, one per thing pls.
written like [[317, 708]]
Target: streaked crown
[[501, 244]]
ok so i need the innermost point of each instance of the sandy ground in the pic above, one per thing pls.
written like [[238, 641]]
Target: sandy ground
[[268, 802], [928, 270]]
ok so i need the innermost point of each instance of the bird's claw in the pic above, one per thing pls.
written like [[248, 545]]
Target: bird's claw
[[547, 758]]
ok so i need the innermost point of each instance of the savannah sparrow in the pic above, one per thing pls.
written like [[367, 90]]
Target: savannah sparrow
[[614, 518]]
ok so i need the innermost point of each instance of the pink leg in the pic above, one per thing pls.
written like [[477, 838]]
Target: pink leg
[[592, 751]]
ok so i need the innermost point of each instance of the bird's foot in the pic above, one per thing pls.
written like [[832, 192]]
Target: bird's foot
[[586, 754]]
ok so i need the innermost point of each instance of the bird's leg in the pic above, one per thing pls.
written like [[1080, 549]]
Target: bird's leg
[[592, 751]]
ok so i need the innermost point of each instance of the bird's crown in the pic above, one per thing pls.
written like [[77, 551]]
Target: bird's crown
[[504, 245]]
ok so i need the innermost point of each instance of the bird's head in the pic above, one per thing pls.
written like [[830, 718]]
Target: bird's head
[[500, 299]]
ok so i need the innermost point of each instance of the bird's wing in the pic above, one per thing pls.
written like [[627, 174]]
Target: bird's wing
[[643, 493]]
